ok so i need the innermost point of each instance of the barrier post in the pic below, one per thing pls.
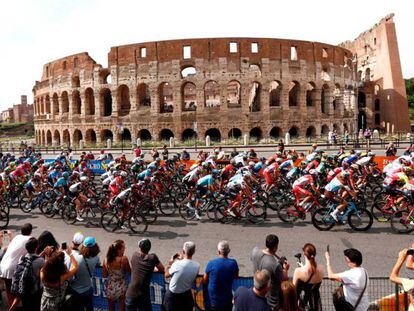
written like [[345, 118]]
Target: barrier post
[[397, 298]]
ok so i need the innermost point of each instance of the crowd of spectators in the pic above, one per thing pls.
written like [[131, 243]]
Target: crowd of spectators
[[41, 274]]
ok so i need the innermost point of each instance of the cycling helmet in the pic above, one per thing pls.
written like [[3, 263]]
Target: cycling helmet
[[232, 161], [84, 179], [354, 167], [345, 165], [123, 174], [158, 160], [65, 175], [251, 163], [83, 163], [371, 154]]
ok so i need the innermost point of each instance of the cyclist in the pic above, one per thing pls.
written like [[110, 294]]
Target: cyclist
[[300, 189], [205, 185], [61, 187], [271, 174], [77, 193], [117, 184], [33, 186]]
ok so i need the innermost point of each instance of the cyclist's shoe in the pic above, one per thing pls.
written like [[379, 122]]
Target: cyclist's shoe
[[123, 227], [197, 215], [189, 205], [78, 218], [232, 214], [335, 217]]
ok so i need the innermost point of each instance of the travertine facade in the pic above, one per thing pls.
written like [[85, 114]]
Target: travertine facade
[[223, 87]]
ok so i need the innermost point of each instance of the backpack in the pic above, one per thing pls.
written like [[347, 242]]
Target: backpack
[[23, 278]]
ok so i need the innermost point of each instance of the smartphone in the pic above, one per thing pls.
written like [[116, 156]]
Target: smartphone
[[64, 246], [176, 256], [327, 248], [6, 231], [410, 251]]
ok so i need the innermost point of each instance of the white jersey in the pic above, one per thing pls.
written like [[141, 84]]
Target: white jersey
[[107, 180], [239, 159], [363, 161], [124, 194], [75, 187]]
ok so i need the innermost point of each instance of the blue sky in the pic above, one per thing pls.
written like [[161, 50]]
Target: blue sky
[[35, 32]]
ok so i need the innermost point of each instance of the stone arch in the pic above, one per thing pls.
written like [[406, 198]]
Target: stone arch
[[126, 135], [55, 104], [66, 137], [123, 100], [56, 137], [255, 134], [310, 94], [311, 132], [105, 76], [324, 130], [165, 92], [377, 89], [77, 137], [336, 127], [107, 134], [254, 96], [325, 97], [42, 106], [294, 132], [89, 102], [275, 132], [166, 134], [48, 138], [275, 90], [76, 102], [43, 138], [143, 95], [144, 134], [105, 102], [90, 136], [255, 69], [212, 94], [214, 134], [189, 134], [47, 104], [65, 102], [235, 133], [234, 94], [377, 119], [294, 91], [189, 96]]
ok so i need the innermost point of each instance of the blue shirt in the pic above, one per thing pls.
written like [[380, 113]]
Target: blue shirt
[[246, 300], [205, 181], [143, 174], [61, 182], [221, 273], [82, 282]]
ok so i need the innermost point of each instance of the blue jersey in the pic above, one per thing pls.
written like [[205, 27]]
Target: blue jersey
[[144, 174], [61, 182], [205, 181], [257, 167]]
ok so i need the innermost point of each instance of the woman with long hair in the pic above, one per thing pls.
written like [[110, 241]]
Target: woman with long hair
[[115, 268], [288, 298], [45, 239], [308, 278]]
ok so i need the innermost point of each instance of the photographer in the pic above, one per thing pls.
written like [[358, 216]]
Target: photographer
[[352, 295], [183, 272], [407, 284]]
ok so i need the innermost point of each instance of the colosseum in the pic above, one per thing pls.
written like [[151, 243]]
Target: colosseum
[[223, 88]]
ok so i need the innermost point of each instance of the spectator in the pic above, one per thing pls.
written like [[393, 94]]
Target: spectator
[[55, 276], [15, 250], [346, 137], [81, 285], [138, 151], [277, 267], [31, 297], [185, 155], [164, 153], [253, 299], [142, 266], [183, 272], [46, 238], [234, 153], [252, 153], [154, 153], [391, 151], [3, 248], [407, 284], [115, 269], [218, 277], [201, 156], [220, 153], [288, 297], [308, 278], [281, 146], [354, 280]]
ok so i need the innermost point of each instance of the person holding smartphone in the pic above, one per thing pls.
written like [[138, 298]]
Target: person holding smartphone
[[407, 256]]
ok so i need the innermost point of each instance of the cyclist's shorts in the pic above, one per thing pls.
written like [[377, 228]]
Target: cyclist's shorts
[[73, 195], [333, 187], [300, 192], [190, 183], [268, 178], [201, 191]]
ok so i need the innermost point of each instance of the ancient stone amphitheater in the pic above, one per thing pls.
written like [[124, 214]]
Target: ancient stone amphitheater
[[221, 87]]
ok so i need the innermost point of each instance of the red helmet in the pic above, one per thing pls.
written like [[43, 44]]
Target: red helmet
[[83, 163]]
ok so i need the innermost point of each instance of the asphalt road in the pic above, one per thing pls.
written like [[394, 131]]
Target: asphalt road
[[379, 246]]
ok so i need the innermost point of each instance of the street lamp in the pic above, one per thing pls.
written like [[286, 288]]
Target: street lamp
[[121, 132]]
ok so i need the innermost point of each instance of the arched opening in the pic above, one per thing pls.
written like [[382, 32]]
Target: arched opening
[[275, 132], [89, 102], [123, 102], [42, 106], [235, 133], [77, 137], [166, 134], [56, 137], [90, 136], [49, 138], [367, 75], [189, 134], [47, 103], [362, 100], [144, 135], [189, 96], [188, 71], [212, 94], [107, 134], [165, 92], [214, 134], [65, 102], [310, 132], [325, 96], [106, 102], [143, 95], [43, 138], [310, 94], [359, 75], [126, 135], [346, 127], [66, 137], [75, 82], [294, 90], [275, 90], [324, 129], [233, 94], [105, 76], [377, 104], [76, 102], [294, 132], [255, 134], [55, 104], [377, 119], [254, 97], [376, 89]]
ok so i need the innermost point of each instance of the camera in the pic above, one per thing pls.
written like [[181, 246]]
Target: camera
[[410, 251]]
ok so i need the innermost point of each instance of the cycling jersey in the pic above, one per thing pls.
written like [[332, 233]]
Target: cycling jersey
[[335, 185], [108, 180], [191, 176], [75, 188], [364, 161], [351, 159], [303, 181], [257, 167], [288, 164], [144, 174], [206, 181], [61, 182], [235, 182], [123, 194]]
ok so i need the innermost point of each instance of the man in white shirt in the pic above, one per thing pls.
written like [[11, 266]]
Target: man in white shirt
[[183, 271], [355, 280], [15, 250]]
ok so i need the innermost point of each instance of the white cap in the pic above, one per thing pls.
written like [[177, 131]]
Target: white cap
[[78, 238]]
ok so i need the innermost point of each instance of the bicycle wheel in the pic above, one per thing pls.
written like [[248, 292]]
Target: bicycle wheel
[[138, 223], [380, 210], [287, 212], [166, 205], [401, 221], [69, 214], [47, 208], [110, 221], [256, 213], [149, 211], [4, 219], [322, 220], [92, 215], [25, 205], [361, 220], [221, 213], [186, 212]]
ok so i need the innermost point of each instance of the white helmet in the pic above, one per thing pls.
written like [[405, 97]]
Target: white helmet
[[124, 174], [84, 178]]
